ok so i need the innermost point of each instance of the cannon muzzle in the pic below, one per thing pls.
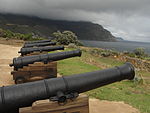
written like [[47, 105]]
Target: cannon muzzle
[[24, 61], [39, 44], [23, 95], [38, 41], [25, 51]]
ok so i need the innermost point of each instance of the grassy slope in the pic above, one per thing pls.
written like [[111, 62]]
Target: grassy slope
[[128, 91], [74, 66]]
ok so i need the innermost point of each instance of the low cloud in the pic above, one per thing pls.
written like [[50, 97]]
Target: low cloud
[[129, 19]]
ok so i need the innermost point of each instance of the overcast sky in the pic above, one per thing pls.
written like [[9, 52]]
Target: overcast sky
[[129, 19]]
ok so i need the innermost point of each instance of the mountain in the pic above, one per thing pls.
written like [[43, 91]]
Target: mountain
[[45, 27], [119, 39]]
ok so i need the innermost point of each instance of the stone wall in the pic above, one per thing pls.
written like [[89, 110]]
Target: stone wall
[[138, 63]]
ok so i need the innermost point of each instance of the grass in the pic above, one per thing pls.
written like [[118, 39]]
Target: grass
[[126, 91], [106, 61], [131, 92], [74, 66]]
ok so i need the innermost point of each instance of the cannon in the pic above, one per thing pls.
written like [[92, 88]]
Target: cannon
[[38, 67], [39, 44], [38, 41], [25, 51], [20, 62], [60, 89]]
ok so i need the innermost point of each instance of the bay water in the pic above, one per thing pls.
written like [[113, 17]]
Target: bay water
[[118, 46]]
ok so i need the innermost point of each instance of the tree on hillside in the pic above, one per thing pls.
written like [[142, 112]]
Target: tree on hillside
[[66, 37], [139, 51]]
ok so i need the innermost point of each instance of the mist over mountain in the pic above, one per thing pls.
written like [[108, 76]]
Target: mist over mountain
[[45, 27], [119, 39]]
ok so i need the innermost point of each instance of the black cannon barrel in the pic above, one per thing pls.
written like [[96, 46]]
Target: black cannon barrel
[[39, 44], [23, 95], [38, 41], [25, 51], [24, 61]]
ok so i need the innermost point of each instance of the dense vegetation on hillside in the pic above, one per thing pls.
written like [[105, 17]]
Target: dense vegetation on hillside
[[62, 38], [45, 28], [11, 35]]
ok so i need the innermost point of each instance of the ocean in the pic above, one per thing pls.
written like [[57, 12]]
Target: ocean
[[119, 46]]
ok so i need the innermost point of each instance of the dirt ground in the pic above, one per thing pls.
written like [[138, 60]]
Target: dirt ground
[[102, 106], [8, 52]]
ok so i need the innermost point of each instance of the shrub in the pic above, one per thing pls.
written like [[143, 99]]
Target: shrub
[[7, 34], [131, 55], [66, 37], [95, 51], [139, 51], [105, 54], [138, 79], [126, 52], [72, 45]]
